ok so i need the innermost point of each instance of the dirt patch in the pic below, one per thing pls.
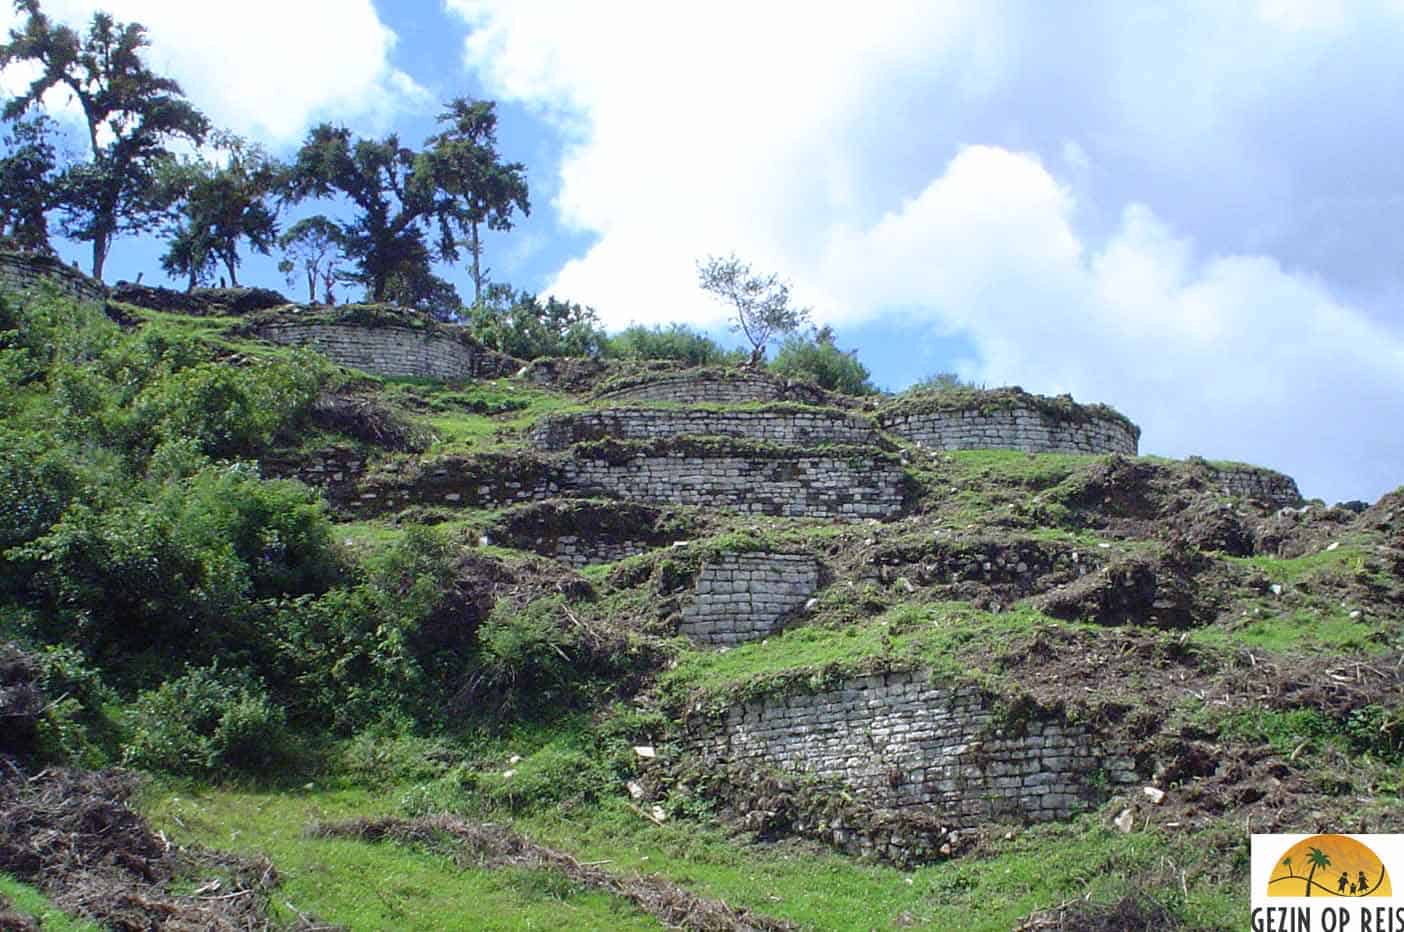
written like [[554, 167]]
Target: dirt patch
[[364, 417], [73, 835], [1176, 588], [487, 845], [1133, 913]]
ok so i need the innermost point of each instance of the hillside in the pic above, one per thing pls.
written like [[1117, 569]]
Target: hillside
[[406, 633]]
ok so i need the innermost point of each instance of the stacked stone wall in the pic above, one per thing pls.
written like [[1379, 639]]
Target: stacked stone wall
[[744, 596], [22, 271], [393, 351], [333, 470], [735, 388], [1026, 429], [790, 428], [806, 485], [897, 742], [1262, 485]]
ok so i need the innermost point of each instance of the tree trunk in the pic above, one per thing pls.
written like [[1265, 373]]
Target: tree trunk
[[476, 248], [231, 263], [99, 256], [311, 285]]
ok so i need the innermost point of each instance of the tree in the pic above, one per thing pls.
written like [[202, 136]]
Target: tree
[[217, 204], [527, 328], [761, 304], [28, 185], [391, 188], [311, 247], [131, 113], [819, 360], [479, 188], [1316, 858]]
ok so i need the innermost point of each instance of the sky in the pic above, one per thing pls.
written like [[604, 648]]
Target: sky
[[1190, 211]]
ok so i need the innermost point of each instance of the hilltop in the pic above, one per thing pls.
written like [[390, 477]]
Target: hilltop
[[453, 639]]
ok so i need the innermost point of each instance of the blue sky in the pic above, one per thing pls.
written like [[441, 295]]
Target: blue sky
[[1190, 211]]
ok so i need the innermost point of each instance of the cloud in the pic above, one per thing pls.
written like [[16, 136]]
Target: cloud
[[1200, 253], [267, 69]]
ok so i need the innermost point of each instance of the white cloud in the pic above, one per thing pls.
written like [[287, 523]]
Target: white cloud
[[264, 68], [832, 148]]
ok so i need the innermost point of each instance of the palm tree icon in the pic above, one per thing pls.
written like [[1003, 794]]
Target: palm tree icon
[[1317, 858]]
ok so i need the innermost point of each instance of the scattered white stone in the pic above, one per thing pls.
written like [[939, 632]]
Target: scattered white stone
[[659, 815], [1154, 793], [678, 544], [1104, 546], [1126, 821], [1276, 588], [635, 790], [645, 751], [1355, 614], [508, 774], [1333, 545], [811, 605], [484, 541], [514, 759]]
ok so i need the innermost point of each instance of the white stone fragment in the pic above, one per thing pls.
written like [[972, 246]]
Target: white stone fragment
[[646, 751], [1126, 821], [1154, 793]]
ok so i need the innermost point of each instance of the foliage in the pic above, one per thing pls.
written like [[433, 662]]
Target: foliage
[[28, 183], [207, 721], [217, 204], [943, 381], [760, 303], [480, 189], [820, 361], [676, 341], [174, 577], [132, 114], [391, 191], [527, 328], [312, 248]]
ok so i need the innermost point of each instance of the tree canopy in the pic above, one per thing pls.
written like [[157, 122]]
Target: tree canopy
[[478, 187], [28, 183], [132, 115], [760, 304]]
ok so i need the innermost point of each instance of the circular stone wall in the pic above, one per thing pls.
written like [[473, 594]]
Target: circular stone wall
[[1013, 420]]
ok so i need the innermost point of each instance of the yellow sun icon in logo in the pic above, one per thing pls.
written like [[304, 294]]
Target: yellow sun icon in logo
[[1328, 865]]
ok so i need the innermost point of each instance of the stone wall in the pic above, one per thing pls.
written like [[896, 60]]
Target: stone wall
[[333, 470], [730, 388], [743, 596], [393, 351], [848, 485], [1027, 429], [895, 741], [585, 533], [805, 485], [22, 271], [1256, 483], [791, 428]]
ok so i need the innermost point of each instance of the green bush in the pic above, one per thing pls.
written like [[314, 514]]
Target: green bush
[[677, 341], [175, 578], [204, 722], [818, 360], [525, 327], [526, 652]]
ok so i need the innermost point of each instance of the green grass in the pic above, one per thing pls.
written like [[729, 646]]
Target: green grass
[[822, 890], [1345, 559], [30, 902], [378, 886], [1295, 632], [476, 417], [937, 637]]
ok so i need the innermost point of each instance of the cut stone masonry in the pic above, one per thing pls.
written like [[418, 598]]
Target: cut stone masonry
[[896, 741], [812, 427], [731, 389], [744, 596], [24, 271], [394, 352], [1026, 429]]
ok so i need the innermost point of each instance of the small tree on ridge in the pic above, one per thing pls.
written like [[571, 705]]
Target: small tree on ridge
[[761, 303]]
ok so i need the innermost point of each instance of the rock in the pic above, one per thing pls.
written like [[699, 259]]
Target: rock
[[508, 774], [1154, 793], [1126, 821], [514, 759], [1333, 545], [646, 751], [635, 790], [658, 814], [1276, 588]]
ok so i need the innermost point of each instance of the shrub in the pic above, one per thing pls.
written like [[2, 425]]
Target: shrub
[[818, 360], [205, 721], [677, 341]]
